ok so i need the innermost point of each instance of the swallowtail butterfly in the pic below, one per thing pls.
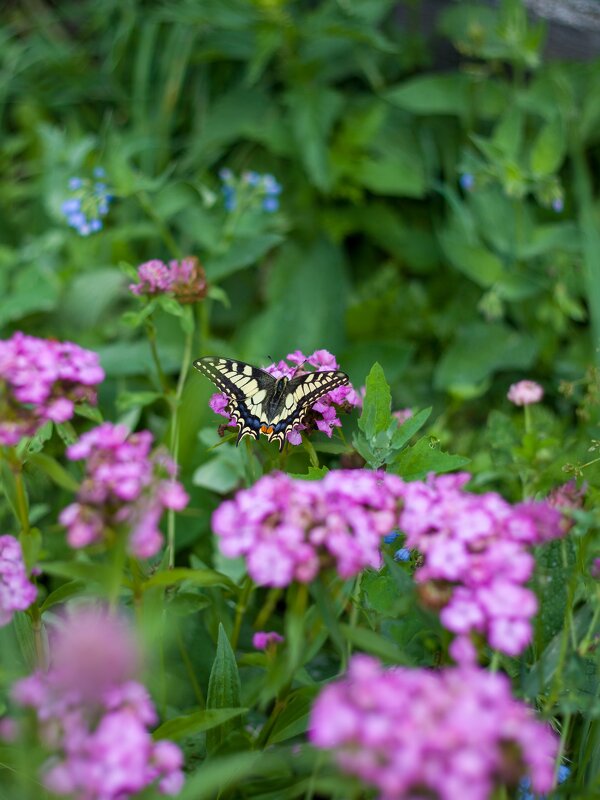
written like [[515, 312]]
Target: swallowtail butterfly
[[260, 403]]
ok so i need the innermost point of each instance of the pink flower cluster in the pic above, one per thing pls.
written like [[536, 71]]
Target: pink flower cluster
[[125, 486], [525, 393], [325, 414], [94, 718], [453, 733], [477, 558], [41, 380], [288, 529], [16, 592], [185, 279]]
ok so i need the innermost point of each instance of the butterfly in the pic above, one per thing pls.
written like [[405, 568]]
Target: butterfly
[[260, 403]]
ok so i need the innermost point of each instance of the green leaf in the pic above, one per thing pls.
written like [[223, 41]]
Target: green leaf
[[128, 400], [549, 148], [479, 350], [86, 572], [200, 577], [418, 461], [376, 413], [409, 427], [243, 252], [224, 689], [189, 724], [63, 593], [293, 720], [54, 470], [471, 257], [313, 474], [26, 639], [372, 642]]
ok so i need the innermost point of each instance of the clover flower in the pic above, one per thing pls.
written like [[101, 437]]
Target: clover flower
[[452, 733], [16, 592], [323, 415], [525, 393], [93, 717], [289, 529], [42, 380], [88, 204], [476, 557], [249, 190], [125, 486], [184, 280]]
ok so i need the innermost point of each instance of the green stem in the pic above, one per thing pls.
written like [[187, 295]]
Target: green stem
[[527, 412], [174, 439], [564, 735], [353, 615], [240, 610], [165, 233], [189, 667], [151, 333], [587, 639], [269, 606]]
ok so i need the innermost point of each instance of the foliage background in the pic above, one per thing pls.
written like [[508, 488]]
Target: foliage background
[[444, 224]]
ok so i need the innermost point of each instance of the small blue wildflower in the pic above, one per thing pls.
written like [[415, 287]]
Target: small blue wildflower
[[390, 537], [558, 205], [270, 204], [230, 199], [563, 773], [270, 185], [467, 181], [90, 202], [251, 178], [403, 554], [525, 792], [225, 174], [99, 172]]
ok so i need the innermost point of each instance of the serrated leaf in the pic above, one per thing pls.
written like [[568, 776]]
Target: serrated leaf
[[189, 724], [418, 461], [376, 413], [224, 689]]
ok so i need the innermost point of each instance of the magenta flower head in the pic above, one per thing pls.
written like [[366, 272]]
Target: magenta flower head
[[264, 639], [126, 486], [476, 557], [93, 717], [289, 529], [16, 592], [184, 280], [452, 733], [525, 393], [324, 414], [42, 380]]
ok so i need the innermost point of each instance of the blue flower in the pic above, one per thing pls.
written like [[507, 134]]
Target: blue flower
[[558, 204], [270, 204], [467, 181], [90, 202], [390, 537], [403, 554], [525, 792], [99, 172], [251, 178], [270, 185]]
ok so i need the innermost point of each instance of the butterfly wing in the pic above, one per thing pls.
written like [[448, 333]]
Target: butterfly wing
[[301, 393], [247, 388]]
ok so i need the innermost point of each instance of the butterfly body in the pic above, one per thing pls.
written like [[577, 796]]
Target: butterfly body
[[260, 403]]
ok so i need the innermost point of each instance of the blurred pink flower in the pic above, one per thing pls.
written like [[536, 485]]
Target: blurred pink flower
[[524, 393], [42, 380], [125, 485], [93, 718], [451, 733], [185, 280], [16, 592], [262, 639]]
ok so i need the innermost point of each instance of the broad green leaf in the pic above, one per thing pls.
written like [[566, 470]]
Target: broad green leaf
[[313, 474], [418, 461], [471, 257], [409, 427], [549, 148], [374, 643], [223, 689], [244, 252], [293, 720], [200, 577], [26, 638], [376, 412], [508, 133], [54, 470], [80, 571], [189, 724], [63, 593]]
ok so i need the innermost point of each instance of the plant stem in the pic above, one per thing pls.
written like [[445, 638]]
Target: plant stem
[[240, 610], [151, 333]]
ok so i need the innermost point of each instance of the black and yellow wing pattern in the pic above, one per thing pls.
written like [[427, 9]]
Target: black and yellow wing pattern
[[260, 403]]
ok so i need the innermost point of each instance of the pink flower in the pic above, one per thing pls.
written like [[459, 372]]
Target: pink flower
[[403, 414], [452, 733], [16, 592], [126, 485], [524, 393], [185, 280], [93, 718], [477, 548], [324, 410], [41, 380], [289, 529], [263, 639]]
